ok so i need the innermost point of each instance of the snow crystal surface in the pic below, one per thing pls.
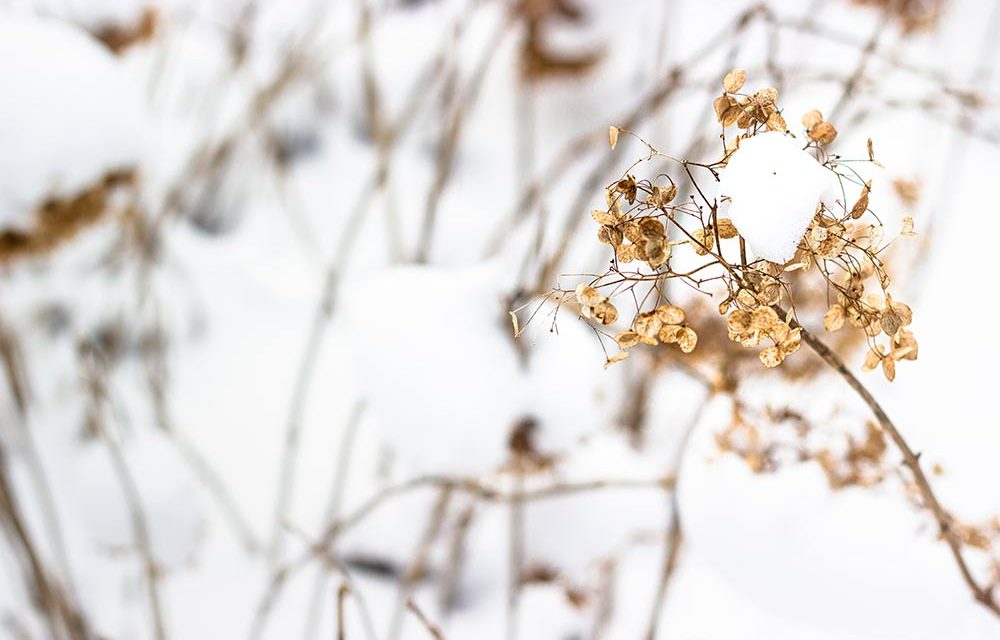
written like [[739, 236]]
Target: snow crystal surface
[[72, 118], [774, 187]]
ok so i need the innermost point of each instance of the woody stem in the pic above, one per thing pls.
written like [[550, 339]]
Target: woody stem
[[982, 594]]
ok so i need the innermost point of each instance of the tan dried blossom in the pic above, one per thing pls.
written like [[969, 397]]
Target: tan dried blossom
[[826, 236], [594, 305], [727, 230], [704, 240], [759, 109], [908, 191], [733, 81], [661, 196], [789, 344], [842, 245], [818, 129]]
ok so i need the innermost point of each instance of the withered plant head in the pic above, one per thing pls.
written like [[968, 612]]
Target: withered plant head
[[60, 219], [539, 61], [912, 15], [648, 227]]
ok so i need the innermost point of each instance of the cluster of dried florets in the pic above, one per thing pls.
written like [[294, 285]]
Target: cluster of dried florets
[[748, 110], [768, 438], [751, 328], [643, 239], [840, 246]]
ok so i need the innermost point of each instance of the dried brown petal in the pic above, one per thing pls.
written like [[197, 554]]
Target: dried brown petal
[[704, 241], [588, 296], [613, 137], [907, 228], [626, 253], [721, 106], [862, 204], [744, 120], [764, 318], [657, 252], [823, 133], [606, 218], [903, 310], [833, 319], [670, 333], [687, 340], [652, 228], [904, 346], [734, 80], [771, 357], [610, 235], [669, 314], [812, 119], [890, 322], [767, 97], [618, 357], [727, 229], [739, 321], [889, 368], [792, 342], [732, 116], [776, 123], [872, 360], [632, 231], [605, 312], [627, 187], [647, 324], [627, 339]]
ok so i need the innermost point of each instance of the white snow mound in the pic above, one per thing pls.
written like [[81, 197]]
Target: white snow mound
[[68, 116], [774, 187]]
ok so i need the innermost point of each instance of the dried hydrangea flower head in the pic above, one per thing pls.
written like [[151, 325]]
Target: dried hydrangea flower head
[[786, 231]]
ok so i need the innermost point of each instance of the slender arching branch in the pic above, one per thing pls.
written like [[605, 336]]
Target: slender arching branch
[[983, 594]]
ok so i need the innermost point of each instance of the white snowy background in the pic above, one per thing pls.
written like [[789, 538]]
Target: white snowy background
[[293, 342]]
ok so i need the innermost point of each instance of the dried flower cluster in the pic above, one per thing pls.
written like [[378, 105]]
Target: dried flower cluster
[[59, 219], [645, 222]]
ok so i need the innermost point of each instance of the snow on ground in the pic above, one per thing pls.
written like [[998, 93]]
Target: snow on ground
[[419, 358]]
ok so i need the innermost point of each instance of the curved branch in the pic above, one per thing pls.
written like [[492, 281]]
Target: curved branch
[[982, 593]]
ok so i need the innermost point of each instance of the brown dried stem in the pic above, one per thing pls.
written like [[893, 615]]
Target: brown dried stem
[[982, 594]]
